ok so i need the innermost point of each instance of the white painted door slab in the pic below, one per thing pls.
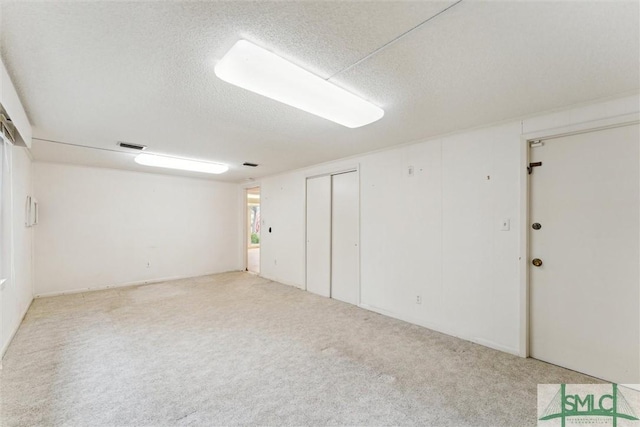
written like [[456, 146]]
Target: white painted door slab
[[344, 237], [319, 235], [585, 297]]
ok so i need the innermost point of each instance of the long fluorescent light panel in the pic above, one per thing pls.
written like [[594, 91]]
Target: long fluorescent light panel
[[258, 70], [182, 164]]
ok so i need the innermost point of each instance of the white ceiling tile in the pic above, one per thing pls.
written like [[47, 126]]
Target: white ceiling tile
[[94, 73]]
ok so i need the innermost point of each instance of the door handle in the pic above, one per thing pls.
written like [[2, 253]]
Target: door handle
[[536, 262]]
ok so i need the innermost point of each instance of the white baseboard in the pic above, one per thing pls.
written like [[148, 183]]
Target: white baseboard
[[124, 285], [442, 329], [14, 331], [282, 282], [497, 346], [384, 312]]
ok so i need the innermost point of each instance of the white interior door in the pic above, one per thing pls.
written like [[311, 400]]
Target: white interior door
[[319, 235], [344, 238], [585, 297]]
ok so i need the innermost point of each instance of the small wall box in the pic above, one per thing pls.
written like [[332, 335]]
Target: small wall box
[[31, 212]]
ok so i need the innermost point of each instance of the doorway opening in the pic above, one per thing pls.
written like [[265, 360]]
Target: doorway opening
[[253, 230]]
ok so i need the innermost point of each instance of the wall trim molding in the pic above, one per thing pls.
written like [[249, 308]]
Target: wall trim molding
[[293, 285], [15, 331], [128, 284], [438, 328]]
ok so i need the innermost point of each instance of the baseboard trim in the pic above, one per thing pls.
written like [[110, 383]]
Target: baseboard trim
[[282, 282], [14, 332], [497, 346], [441, 329], [127, 284]]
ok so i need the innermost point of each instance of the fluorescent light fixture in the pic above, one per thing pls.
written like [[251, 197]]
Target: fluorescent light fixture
[[258, 70], [182, 164]]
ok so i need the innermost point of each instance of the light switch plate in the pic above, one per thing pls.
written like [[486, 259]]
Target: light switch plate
[[505, 224]]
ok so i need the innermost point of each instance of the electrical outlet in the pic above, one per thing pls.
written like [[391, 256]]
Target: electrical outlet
[[410, 171], [505, 224], [418, 299], [148, 264]]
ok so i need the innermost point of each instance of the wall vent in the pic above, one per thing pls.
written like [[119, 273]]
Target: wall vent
[[132, 146], [252, 165]]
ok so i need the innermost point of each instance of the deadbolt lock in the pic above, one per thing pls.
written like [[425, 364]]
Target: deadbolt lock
[[537, 262]]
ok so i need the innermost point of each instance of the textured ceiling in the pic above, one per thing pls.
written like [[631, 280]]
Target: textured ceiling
[[93, 73]]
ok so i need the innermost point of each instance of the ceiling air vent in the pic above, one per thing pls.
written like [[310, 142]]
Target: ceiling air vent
[[251, 165], [132, 146]]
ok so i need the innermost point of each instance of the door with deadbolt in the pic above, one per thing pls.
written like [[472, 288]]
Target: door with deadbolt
[[584, 253]]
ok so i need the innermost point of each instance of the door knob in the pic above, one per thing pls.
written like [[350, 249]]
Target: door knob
[[537, 262]]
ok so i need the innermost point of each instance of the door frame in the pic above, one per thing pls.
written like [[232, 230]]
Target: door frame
[[245, 223], [525, 186], [338, 171]]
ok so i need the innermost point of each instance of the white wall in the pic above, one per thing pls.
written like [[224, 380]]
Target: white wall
[[282, 249], [436, 234], [100, 227], [17, 293]]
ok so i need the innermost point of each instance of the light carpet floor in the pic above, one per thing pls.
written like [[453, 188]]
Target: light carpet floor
[[234, 348]]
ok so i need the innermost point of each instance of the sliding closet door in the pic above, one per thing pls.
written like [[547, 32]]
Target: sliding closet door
[[344, 236], [319, 235]]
